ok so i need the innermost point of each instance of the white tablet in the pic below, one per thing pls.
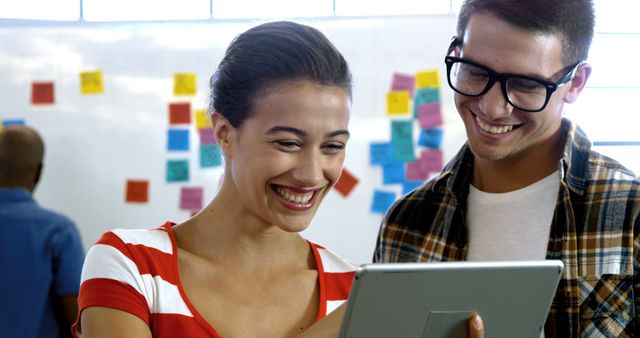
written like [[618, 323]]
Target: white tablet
[[417, 300]]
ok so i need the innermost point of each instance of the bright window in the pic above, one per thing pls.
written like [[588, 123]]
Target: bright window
[[40, 9], [232, 9], [134, 10], [395, 7]]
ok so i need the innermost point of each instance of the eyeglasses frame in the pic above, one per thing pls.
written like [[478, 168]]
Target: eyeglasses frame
[[494, 76]]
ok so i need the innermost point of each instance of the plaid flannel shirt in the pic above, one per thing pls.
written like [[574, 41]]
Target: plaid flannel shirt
[[595, 231]]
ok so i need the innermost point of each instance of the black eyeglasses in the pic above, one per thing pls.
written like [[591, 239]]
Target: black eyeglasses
[[523, 92]]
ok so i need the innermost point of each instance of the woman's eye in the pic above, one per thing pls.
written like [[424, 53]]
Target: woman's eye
[[334, 147], [289, 145]]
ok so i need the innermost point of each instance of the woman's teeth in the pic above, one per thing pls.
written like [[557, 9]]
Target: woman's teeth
[[295, 198], [492, 129]]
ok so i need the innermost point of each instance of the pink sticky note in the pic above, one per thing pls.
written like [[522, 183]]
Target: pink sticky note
[[430, 160], [191, 198], [206, 136], [430, 115], [414, 172], [403, 82]]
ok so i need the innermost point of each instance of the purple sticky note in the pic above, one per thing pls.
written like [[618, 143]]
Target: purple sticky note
[[414, 172], [206, 136], [430, 161], [191, 198], [403, 82], [430, 115]]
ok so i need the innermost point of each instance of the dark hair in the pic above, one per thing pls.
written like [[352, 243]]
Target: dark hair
[[571, 20], [270, 53]]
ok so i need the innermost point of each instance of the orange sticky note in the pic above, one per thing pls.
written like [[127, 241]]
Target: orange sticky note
[[42, 93], [346, 183], [91, 82], [137, 191], [180, 113], [398, 102], [202, 119], [428, 79], [184, 84]]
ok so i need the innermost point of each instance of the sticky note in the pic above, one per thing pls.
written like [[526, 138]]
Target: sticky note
[[13, 122], [429, 115], [180, 113], [428, 79], [191, 198], [202, 119], [431, 137], [426, 95], [431, 160], [402, 140], [398, 103], [210, 156], [178, 140], [346, 183], [184, 84], [403, 82], [393, 173], [408, 186], [414, 172], [380, 153], [91, 82], [177, 170], [382, 200], [206, 136], [137, 191], [42, 93]]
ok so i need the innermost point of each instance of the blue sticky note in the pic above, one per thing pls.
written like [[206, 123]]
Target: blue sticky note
[[210, 155], [393, 173], [402, 140], [380, 153], [177, 170], [178, 140], [382, 200], [431, 138], [408, 186], [13, 122], [425, 96]]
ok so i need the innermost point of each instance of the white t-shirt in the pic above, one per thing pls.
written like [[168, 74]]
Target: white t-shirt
[[514, 225]]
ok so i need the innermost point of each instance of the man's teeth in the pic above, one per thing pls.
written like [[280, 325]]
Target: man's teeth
[[492, 129], [300, 199]]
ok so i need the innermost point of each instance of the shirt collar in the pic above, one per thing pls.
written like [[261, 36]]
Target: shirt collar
[[15, 195]]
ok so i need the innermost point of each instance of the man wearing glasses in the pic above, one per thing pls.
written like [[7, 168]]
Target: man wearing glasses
[[526, 185]]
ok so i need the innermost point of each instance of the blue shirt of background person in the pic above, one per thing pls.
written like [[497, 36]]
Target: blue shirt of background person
[[41, 254]]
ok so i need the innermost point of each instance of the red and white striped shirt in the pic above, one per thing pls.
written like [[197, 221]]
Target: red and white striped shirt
[[136, 271]]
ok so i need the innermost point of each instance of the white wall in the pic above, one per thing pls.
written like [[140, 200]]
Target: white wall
[[96, 142]]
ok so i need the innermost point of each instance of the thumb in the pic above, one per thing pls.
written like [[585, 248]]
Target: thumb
[[476, 327]]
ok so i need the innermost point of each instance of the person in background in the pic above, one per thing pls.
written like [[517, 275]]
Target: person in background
[[40, 251], [527, 185], [280, 105]]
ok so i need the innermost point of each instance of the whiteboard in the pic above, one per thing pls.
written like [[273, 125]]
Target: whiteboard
[[94, 143]]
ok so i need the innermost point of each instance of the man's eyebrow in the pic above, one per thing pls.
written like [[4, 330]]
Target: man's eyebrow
[[302, 133]]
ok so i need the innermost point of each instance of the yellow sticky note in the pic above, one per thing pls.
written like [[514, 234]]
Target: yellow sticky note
[[428, 79], [184, 84], [398, 102], [202, 119], [91, 82]]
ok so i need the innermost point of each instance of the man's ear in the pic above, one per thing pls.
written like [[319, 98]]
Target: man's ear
[[223, 132], [577, 84]]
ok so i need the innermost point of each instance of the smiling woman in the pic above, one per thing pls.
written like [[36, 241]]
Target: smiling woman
[[280, 105]]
